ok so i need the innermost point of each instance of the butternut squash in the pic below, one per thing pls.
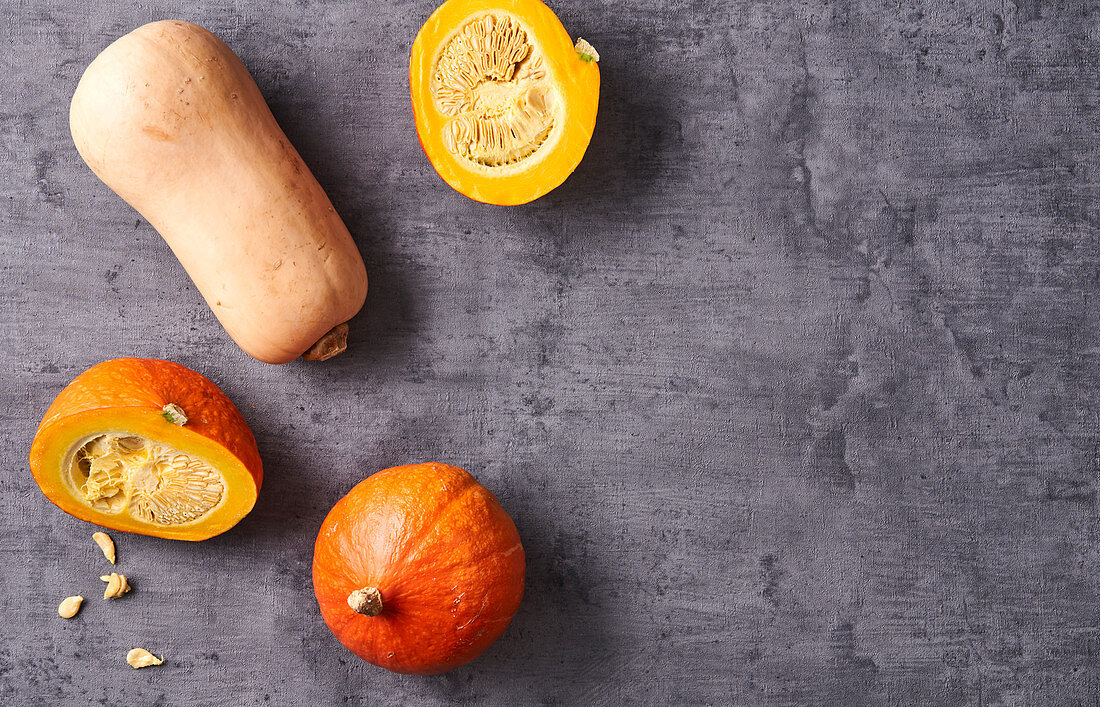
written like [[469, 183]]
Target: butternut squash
[[170, 119]]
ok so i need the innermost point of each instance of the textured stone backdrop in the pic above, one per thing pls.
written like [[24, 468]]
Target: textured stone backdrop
[[791, 388]]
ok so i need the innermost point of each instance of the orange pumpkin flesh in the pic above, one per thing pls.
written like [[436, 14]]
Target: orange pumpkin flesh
[[107, 452], [504, 101], [431, 563]]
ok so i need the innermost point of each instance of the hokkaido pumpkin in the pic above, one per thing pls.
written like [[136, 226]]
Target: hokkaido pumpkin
[[504, 101], [418, 569], [147, 447], [169, 118]]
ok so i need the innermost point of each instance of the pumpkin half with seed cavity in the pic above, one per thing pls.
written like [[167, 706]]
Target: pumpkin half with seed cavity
[[418, 569], [150, 447], [505, 102]]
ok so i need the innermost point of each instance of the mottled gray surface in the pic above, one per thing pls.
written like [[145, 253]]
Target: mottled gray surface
[[791, 389]]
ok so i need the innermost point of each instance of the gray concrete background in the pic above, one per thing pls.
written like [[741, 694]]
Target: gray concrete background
[[791, 388]]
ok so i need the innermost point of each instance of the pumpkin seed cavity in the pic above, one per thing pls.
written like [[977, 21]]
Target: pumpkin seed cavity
[[117, 472], [490, 80]]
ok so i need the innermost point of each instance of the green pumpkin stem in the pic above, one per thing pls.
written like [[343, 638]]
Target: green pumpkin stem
[[174, 414]]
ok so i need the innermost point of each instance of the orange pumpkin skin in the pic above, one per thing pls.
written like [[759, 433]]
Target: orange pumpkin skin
[[129, 395], [445, 556]]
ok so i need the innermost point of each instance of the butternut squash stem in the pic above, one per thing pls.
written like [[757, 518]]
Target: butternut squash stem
[[331, 344], [366, 601]]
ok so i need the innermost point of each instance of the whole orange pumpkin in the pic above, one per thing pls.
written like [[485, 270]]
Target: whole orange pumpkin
[[418, 569]]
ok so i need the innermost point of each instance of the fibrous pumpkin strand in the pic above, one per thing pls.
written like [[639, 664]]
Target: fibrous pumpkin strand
[[151, 482], [493, 86]]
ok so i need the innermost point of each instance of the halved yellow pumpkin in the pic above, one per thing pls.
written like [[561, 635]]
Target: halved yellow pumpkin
[[147, 447], [505, 102]]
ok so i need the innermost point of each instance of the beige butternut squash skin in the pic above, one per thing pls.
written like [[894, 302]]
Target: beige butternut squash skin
[[169, 118]]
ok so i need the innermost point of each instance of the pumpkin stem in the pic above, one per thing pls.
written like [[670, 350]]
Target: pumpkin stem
[[586, 51], [174, 414], [333, 343], [366, 601]]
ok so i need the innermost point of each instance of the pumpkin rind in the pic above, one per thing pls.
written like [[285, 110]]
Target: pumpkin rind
[[445, 556], [170, 119], [129, 395], [572, 79]]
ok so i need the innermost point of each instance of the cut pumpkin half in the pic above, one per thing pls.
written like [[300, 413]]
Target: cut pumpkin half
[[504, 101], [150, 447]]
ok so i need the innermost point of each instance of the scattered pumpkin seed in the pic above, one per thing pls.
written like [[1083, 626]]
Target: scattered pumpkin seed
[[141, 658], [69, 606], [116, 585], [106, 545]]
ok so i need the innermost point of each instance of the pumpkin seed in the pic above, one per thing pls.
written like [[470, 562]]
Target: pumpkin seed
[[116, 585], [141, 658], [106, 545], [69, 606]]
